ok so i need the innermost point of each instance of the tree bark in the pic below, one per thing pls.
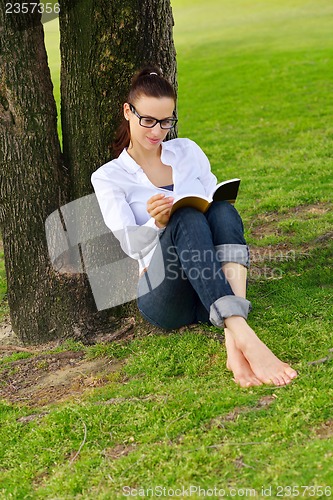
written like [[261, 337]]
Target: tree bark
[[44, 304]]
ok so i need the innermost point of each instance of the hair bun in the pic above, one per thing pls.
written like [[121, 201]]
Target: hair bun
[[148, 71]]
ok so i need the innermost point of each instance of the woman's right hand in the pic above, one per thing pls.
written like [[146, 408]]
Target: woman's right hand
[[159, 207]]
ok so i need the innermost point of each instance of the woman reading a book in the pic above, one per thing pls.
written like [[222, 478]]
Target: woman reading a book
[[192, 265]]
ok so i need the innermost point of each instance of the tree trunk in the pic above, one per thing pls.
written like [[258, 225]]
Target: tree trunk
[[102, 43], [44, 304]]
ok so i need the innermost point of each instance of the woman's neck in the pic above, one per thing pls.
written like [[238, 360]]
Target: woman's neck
[[143, 157]]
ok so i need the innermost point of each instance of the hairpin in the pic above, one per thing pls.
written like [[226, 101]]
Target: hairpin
[[153, 73]]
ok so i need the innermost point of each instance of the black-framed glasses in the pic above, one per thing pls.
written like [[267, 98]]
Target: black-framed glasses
[[150, 122]]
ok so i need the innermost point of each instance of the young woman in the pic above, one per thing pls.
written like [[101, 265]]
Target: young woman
[[193, 266]]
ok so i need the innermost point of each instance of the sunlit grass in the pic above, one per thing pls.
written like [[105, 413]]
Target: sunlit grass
[[52, 42]]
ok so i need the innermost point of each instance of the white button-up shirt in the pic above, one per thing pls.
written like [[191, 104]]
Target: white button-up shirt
[[123, 189]]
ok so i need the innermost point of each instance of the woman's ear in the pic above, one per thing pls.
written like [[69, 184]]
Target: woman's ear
[[127, 111]]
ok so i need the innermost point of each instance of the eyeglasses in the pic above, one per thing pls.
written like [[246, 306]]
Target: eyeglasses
[[150, 122]]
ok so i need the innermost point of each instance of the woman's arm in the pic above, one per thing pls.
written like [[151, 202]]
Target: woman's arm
[[135, 240]]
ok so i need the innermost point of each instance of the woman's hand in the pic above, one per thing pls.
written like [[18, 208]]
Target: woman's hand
[[159, 207]]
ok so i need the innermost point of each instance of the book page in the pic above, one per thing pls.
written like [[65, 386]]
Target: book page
[[195, 201]]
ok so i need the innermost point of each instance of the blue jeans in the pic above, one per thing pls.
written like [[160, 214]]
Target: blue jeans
[[194, 247]]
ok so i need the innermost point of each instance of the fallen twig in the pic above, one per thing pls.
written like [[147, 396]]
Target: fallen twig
[[118, 333], [322, 360], [81, 445]]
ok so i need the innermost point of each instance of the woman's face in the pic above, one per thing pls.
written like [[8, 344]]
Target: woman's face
[[160, 108]]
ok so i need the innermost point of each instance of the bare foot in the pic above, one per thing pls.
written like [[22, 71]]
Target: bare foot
[[264, 364], [243, 375]]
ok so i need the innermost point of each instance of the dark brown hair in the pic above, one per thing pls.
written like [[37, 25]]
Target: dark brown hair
[[148, 82]]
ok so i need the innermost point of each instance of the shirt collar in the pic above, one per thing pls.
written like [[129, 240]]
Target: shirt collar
[[166, 150], [130, 165]]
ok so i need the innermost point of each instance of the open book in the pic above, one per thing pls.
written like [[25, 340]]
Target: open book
[[224, 191]]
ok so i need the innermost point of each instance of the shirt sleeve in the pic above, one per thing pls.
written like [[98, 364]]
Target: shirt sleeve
[[207, 178], [136, 241]]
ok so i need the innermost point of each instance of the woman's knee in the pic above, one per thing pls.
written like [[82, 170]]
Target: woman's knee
[[226, 224], [223, 210], [190, 214], [187, 220]]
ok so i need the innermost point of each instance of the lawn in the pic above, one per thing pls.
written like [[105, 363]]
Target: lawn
[[160, 410]]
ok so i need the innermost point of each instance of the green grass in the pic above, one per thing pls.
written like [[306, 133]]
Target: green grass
[[255, 80], [255, 86]]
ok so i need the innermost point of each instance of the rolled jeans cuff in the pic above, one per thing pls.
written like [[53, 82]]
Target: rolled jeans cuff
[[233, 252], [229, 305]]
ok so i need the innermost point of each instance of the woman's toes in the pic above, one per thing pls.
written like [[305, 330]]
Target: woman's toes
[[271, 381], [291, 373], [283, 380], [287, 375]]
